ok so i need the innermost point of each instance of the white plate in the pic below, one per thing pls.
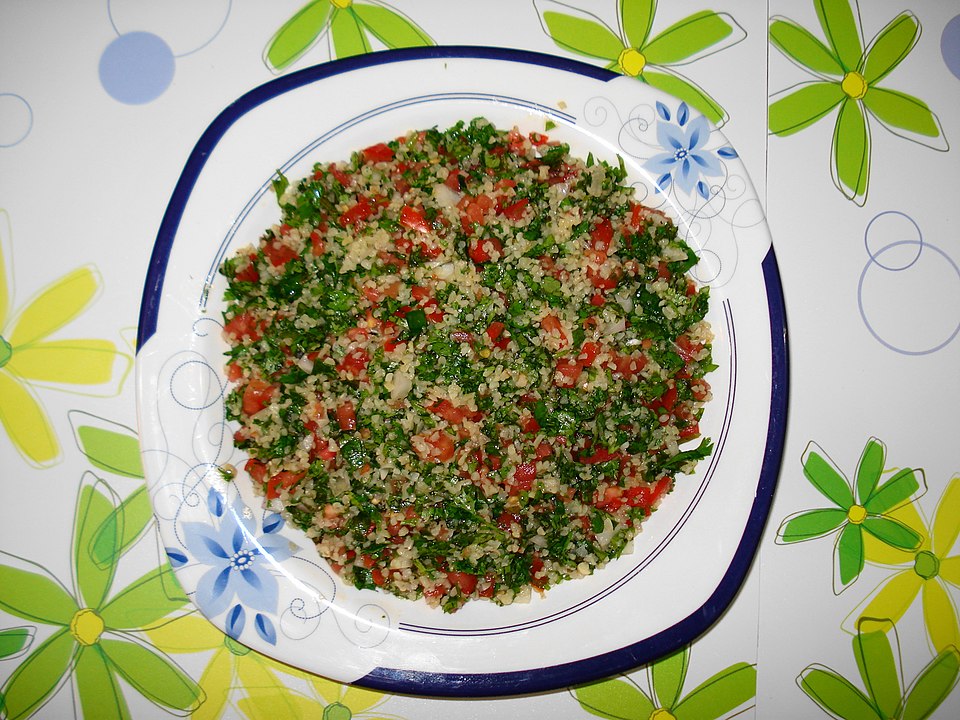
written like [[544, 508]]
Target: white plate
[[261, 580]]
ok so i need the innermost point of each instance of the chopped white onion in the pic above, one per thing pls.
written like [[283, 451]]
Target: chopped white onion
[[446, 196]]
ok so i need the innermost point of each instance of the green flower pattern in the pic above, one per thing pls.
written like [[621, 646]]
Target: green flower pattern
[[634, 50], [95, 631], [861, 508], [880, 666], [623, 699], [349, 26], [847, 76]]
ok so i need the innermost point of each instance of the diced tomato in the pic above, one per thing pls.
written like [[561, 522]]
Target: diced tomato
[[601, 236], [278, 254], [551, 326], [687, 348], [537, 139], [317, 245], [283, 480], [380, 152], [638, 215], [663, 272], [504, 183], [473, 209], [543, 451], [358, 212], [379, 579], [249, 273], [603, 281], [612, 499], [454, 414], [645, 496], [489, 586], [257, 395], [515, 211], [243, 326], [629, 365], [523, 476], [690, 431], [480, 249], [496, 334], [440, 447], [600, 455], [507, 520], [347, 416], [515, 142], [341, 177], [465, 581], [256, 469], [588, 353], [528, 423], [354, 362], [700, 389], [415, 219], [597, 300], [371, 293], [566, 373], [536, 567], [453, 181], [234, 372]]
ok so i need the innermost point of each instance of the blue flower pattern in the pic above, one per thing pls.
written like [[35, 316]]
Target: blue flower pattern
[[685, 163], [239, 577]]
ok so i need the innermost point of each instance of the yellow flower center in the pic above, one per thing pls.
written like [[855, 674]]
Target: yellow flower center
[[86, 626], [662, 714], [6, 352], [632, 62], [857, 514], [342, 4], [854, 85]]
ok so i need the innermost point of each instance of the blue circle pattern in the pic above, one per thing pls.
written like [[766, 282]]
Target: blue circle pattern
[[950, 45], [136, 68]]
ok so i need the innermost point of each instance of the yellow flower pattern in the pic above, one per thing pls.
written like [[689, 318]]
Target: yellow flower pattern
[[30, 359], [926, 571], [257, 686]]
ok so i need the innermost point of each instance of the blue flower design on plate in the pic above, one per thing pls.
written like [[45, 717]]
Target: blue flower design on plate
[[235, 547], [686, 161]]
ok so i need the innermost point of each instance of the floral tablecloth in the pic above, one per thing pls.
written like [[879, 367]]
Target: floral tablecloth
[[844, 114]]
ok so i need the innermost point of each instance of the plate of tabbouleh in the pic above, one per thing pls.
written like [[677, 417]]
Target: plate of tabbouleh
[[434, 385]]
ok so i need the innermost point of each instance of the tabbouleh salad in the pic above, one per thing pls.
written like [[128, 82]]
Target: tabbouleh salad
[[466, 363]]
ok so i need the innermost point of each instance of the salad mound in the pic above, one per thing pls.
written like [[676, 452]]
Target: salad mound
[[466, 363]]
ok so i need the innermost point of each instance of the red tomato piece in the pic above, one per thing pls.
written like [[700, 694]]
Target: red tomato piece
[[278, 254], [536, 579], [465, 581], [551, 325], [480, 249], [440, 447], [249, 273], [516, 210], [243, 326], [601, 237], [566, 373], [415, 219], [283, 480], [380, 152], [454, 414], [645, 496], [257, 395], [358, 212], [256, 469], [347, 416], [588, 353], [354, 362], [341, 177], [496, 334]]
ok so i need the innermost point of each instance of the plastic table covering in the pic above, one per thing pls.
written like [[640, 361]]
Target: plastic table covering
[[846, 117]]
